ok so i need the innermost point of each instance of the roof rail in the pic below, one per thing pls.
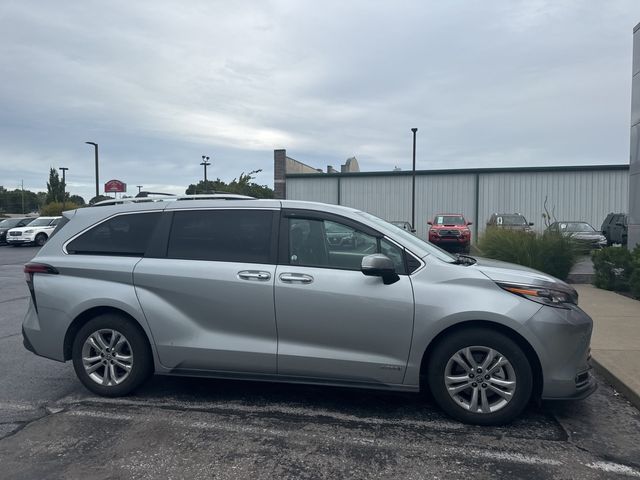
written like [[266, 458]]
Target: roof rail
[[174, 198]]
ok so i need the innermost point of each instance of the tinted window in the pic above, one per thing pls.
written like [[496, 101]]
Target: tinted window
[[222, 235], [121, 235], [323, 243], [11, 222]]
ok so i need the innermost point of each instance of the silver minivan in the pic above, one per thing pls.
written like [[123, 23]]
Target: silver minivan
[[233, 287]]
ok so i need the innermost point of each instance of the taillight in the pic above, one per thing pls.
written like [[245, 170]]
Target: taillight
[[32, 268]]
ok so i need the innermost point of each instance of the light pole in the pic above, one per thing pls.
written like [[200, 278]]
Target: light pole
[[139, 188], [413, 182], [205, 163], [95, 148], [64, 183]]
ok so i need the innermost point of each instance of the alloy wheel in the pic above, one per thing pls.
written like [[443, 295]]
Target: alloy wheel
[[480, 379], [107, 357]]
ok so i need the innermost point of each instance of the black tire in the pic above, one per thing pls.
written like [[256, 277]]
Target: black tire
[[142, 365], [486, 337], [40, 239]]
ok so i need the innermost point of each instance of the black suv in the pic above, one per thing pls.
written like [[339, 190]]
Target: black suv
[[615, 228], [9, 223]]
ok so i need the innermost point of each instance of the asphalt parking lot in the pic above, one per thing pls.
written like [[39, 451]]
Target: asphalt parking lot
[[50, 427]]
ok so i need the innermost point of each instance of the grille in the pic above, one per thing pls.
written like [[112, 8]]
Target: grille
[[15, 234], [449, 233]]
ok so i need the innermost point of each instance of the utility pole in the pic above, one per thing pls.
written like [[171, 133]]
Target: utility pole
[[64, 184], [95, 148], [139, 188], [205, 163], [413, 182]]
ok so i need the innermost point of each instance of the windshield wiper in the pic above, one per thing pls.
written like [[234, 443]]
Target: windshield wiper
[[464, 259]]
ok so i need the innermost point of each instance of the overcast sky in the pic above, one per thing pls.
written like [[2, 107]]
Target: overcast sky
[[158, 84]]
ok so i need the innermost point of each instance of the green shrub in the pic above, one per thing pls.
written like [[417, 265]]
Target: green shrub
[[612, 268], [549, 253], [55, 209], [634, 274]]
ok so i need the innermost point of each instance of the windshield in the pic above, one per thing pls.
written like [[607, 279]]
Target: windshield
[[408, 239], [40, 222], [10, 222], [511, 220], [576, 227], [449, 220]]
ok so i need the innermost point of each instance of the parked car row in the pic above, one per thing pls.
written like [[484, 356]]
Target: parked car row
[[27, 230], [451, 231]]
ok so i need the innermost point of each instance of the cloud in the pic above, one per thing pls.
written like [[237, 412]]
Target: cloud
[[158, 84]]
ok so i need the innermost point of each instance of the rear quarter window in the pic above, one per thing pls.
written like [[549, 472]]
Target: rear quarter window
[[122, 235]]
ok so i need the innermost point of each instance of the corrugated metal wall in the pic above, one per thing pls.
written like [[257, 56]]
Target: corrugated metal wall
[[572, 195]]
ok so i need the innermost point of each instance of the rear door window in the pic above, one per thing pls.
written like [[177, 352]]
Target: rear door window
[[122, 235], [238, 235]]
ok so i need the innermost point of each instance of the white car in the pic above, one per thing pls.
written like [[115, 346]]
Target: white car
[[37, 232]]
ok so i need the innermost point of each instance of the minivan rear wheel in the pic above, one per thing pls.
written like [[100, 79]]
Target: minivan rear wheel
[[480, 376], [111, 356]]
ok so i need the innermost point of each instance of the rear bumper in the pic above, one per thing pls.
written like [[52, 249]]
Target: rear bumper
[[26, 342], [48, 342]]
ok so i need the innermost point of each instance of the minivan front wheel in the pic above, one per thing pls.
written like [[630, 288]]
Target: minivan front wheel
[[111, 356], [480, 376]]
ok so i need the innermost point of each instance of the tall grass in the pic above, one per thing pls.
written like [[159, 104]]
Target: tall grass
[[549, 253]]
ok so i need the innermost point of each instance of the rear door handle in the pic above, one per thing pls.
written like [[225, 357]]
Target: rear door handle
[[296, 278], [254, 275]]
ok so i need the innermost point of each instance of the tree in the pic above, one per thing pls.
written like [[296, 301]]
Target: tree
[[55, 209], [242, 185], [55, 188], [99, 198], [78, 200], [11, 201]]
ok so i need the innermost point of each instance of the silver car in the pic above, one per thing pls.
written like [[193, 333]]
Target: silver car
[[231, 287]]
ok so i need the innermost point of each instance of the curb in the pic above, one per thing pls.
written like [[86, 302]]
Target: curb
[[619, 385]]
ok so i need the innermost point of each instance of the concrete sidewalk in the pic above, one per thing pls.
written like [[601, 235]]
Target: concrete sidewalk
[[615, 345]]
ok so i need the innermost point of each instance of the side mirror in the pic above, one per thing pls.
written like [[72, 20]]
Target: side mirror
[[378, 265], [413, 230], [531, 224], [429, 222], [469, 223], [620, 224]]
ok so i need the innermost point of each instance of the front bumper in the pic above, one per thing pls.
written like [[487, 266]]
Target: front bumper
[[19, 240], [449, 240], [563, 337]]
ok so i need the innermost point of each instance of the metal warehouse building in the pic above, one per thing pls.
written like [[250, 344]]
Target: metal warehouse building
[[585, 193]]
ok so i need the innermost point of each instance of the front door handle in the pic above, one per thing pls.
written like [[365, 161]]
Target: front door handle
[[254, 275], [296, 278]]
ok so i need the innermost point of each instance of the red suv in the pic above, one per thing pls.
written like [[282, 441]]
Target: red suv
[[450, 230]]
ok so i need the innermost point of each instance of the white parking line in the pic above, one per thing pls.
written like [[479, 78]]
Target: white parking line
[[271, 408], [514, 457], [611, 467]]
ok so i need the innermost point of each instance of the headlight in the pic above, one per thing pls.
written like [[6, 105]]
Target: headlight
[[28, 231], [543, 295]]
